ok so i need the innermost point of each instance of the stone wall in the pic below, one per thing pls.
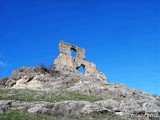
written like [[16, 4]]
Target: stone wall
[[66, 63]]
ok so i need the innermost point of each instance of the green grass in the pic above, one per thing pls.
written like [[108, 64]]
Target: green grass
[[30, 95], [21, 115], [107, 84]]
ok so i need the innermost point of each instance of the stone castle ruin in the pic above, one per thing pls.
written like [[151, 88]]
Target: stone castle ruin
[[66, 63]]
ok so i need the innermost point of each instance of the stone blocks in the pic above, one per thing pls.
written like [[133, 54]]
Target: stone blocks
[[66, 63]]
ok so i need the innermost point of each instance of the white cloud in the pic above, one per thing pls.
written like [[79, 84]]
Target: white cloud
[[3, 63]]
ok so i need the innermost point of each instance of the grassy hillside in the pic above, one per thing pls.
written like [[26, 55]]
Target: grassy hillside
[[30, 95]]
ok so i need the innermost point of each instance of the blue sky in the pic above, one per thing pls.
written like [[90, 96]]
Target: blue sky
[[120, 36]]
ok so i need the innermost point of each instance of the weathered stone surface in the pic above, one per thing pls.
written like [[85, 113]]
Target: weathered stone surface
[[39, 108], [77, 108], [66, 63], [110, 104], [3, 82], [127, 106], [4, 106], [151, 106], [60, 108]]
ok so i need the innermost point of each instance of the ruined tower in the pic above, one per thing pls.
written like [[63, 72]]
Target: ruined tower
[[66, 63]]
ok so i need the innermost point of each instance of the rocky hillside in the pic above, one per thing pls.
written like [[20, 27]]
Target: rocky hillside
[[76, 95], [61, 92]]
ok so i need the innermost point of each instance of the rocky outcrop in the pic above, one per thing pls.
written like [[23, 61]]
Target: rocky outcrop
[[117, 98], [65, 107], [78, 108]]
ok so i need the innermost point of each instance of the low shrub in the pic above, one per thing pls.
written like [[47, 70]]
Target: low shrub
[[51, 70]]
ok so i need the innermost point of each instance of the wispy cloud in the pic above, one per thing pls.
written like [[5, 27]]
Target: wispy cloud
[[3, 62]]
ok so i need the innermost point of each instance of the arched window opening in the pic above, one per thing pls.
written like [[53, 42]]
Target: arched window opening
[[81, 69], [73, 52]]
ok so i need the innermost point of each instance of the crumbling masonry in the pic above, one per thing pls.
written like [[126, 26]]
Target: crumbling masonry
[[69, 64]]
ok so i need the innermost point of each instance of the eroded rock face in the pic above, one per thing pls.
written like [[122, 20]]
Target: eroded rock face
[[68, 64]]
